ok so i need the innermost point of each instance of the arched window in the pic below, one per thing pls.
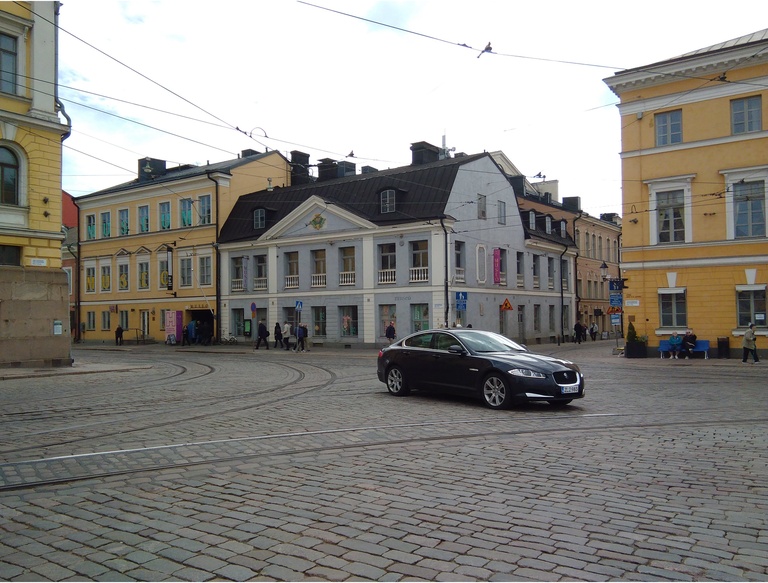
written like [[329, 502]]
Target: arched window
[[9, 177]]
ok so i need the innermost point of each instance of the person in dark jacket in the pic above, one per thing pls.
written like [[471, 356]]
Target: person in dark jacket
[[278, 335], [300, 332], [262, 335], [119, 335], [390, 333]]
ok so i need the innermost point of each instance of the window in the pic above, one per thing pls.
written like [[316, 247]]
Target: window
[[318, 268], [165, 216], [536, 272], [537, 317], [162, 319], [500, 266], [185, 211], [564, 274], [106, 278], [419, 317], [259, 219], [751, 307], [749, 209], [502, 212], [532, 220], [162, 268], [550, 273], [143, 274], [185, 265], [318, 321], [9, 176], [143, 219], [205, 209], [292, 269], [520, 269], [8, 63], [106, 225], [347, 266], [388, 201], [671, 223], [419, 261], [90, 321], [552, 318], [594, 247], [459, 269], [348, 319], [387, 263], [123, 319], [122, 277], [237, 282], [746, 115], [669, 127], [122, 220], [563, 229], [106, 320], [672, 309], [260, 272], [10, 255], [90, 227], [204, 273], [600, 247], [548, 225], [90, 280], [481, 207]]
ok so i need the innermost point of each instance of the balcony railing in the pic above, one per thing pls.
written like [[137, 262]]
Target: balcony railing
[[347, 278], [259, 283], [291, 281], [387, 276], [565, 285], [318, 280], [419, 274], [503, 279], [460, 275], [237, 285]]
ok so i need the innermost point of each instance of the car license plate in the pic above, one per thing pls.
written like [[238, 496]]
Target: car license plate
[[570, 389]]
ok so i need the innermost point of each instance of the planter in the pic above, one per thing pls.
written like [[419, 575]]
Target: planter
[[635, 350]]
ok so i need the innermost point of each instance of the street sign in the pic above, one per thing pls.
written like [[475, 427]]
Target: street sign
[[461, 301], [299, 305], [616, 300], [506, 305]]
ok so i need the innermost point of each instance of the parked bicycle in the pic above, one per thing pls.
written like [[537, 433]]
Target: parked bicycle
[[228, 339]]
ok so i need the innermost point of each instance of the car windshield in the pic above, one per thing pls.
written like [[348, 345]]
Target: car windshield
[[478, 341]]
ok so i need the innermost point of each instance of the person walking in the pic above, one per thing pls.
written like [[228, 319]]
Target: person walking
[[119, 335], [593, 330], [185, 335], [299, 338], [577, 332], [748, 344], [286, 335], [262, 335], [278, 335], [390, 333]]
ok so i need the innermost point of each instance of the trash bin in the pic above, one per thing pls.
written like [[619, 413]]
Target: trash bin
[[723, 348]]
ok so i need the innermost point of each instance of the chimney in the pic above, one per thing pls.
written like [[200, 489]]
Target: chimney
[[424, 153], [346, 168], [368, 170], [248, 152], [299, 168], [150, 168], [326, 169], [572, 203]]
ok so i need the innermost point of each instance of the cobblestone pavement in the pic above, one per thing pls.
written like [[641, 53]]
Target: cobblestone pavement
[[156, 463]]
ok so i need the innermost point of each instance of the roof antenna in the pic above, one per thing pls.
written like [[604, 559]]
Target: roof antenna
[[445, 152]]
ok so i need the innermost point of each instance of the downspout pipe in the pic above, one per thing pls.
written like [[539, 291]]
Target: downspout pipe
[[576, 266], [76, 283], [562, 296], [445, 286], [217, 316]]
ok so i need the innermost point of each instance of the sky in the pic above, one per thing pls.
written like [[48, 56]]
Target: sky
[[194, 82]]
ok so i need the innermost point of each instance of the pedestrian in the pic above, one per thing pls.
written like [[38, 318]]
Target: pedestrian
[[185, 335], [278, 335], [198, 332], [262, 334], [748, 345], [193, 331], [593, 331], [577, 332], [689, 342], [390, 333], [286, 335], [299, 338], [305, 330], [119, 335]]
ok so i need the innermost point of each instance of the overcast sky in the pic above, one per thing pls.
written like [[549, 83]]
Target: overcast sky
[[175, 79]]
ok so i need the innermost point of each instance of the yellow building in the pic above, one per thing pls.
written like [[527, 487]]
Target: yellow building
[[148, 256], [34, 321], [695, 167]]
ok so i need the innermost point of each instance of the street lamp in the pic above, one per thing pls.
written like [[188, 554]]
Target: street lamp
[[616, 285]]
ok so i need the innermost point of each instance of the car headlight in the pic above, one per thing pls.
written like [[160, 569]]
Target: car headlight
[[527, 372]]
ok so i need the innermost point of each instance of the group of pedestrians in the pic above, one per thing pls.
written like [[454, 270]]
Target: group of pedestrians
[[580, 332], [283, 336], [197, 332]]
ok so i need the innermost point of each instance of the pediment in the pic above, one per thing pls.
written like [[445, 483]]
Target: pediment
[[316, 216]]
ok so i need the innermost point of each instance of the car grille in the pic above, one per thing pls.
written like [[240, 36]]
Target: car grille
[[566, 377]]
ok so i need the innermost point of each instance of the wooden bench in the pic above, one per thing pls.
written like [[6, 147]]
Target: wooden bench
[[701, 346]]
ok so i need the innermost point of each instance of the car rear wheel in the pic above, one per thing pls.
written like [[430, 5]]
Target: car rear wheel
[[496, 393], [561, 403], [396, 384]]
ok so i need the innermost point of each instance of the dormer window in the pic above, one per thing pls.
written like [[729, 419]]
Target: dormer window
[[532, 220], [563, 230], [388, 201], [549, 225], [259, 219]]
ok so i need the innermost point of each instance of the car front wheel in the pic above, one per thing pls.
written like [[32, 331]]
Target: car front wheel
[[496, 393], [396, 382]]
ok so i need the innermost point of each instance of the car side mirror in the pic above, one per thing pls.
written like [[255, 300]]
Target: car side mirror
[[456, 349]]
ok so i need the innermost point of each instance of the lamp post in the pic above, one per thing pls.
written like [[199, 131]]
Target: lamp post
[[616, 286]]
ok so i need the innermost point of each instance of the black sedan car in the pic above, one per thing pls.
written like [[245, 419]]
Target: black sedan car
[[479, 363]]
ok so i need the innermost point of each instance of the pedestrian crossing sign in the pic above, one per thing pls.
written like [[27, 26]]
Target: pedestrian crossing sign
[[506, 305]]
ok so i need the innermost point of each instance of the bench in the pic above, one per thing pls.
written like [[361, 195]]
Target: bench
[[701, 346]]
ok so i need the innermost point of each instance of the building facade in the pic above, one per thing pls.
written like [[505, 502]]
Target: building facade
[[695, 168], [440, 242], [148, 254], [34, 321]]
